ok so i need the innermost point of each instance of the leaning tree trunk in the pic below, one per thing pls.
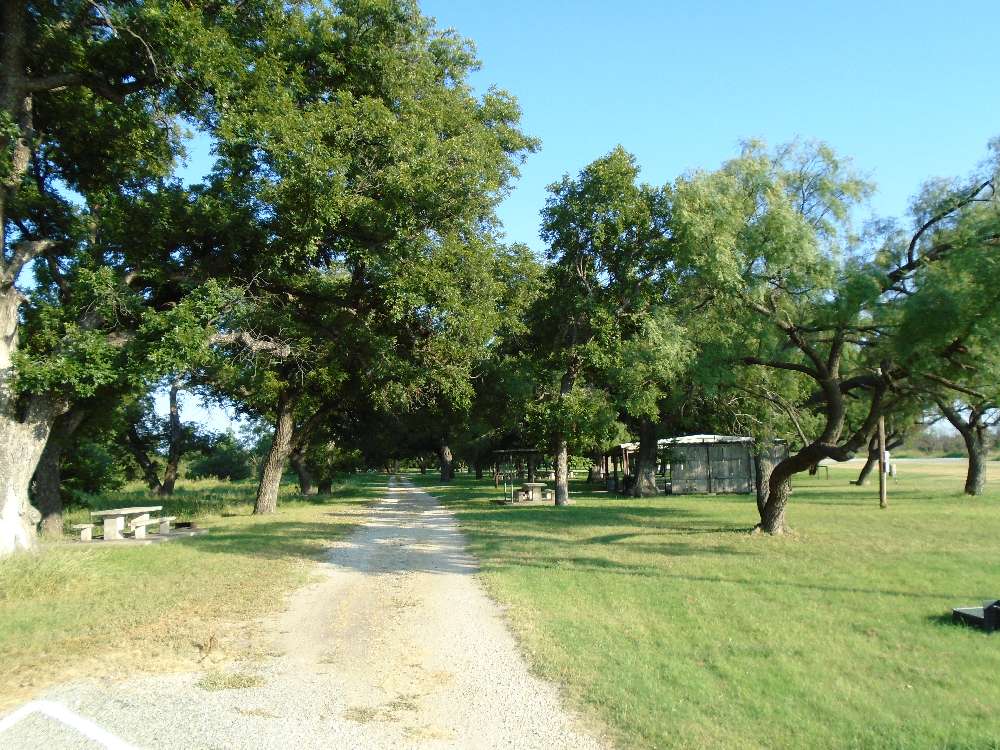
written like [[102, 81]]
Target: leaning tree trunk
[[645, 469], [48, 475], [772, 520], [779, 489], [447, 467], [25, 424], [176, 447], [975, 445], [274, 466], [870, 463], [138, 450], [762, 465], [298, 461]]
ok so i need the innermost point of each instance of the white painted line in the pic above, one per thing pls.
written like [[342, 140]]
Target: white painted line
[[59, 712]]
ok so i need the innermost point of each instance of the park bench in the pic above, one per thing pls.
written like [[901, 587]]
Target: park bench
[[138, 525], [86, 531]]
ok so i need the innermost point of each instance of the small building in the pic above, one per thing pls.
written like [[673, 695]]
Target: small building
[[693, 464]]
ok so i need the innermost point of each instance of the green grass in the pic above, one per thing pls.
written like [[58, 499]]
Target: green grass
[[75, 609], [676, 628]]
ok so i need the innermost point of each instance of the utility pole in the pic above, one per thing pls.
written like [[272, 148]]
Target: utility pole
[[882, 468]]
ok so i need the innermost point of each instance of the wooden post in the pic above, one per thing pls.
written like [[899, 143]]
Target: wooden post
[[883, 501]]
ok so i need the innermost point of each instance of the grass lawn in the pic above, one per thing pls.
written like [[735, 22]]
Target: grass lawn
[[667, 620], [74, 610]]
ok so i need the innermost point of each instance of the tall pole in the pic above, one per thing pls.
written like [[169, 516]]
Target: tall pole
[[882, 500]]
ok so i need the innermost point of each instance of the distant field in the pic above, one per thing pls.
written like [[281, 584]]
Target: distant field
[[82, 610], [669, 622]]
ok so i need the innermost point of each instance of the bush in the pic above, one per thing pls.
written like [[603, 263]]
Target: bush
[[225, 459], [90, 468]]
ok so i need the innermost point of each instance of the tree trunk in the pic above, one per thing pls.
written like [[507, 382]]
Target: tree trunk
[[561, 463], [772, 520], [447, 467], [325, 486], [973, 433], [298, 461], [866, 471], [25, 424], [531, 467], [975, 445], [763, 466], [479, 470], [138, 450], [779, 489], [645, 466], [274, 466], [48, 479], [176, 447], [423, 468]]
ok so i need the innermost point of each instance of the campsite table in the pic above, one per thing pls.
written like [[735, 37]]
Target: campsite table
[[114, 519], [532, 489]]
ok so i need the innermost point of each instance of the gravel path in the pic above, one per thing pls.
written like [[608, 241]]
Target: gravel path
[[396, 647]]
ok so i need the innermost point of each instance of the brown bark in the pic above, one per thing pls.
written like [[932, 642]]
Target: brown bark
[[274, 466], [479, 470], [975, 446], [773, 518], [870, 463], [48, 477], [763, 465], [176, 442], [974, 435], [446, 459], [137, 448], [645, 465], [325, 486], [298, 461]]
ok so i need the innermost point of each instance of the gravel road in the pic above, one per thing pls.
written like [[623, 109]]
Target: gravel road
[[397, 646]]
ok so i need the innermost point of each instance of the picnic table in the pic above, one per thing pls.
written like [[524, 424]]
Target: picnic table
[[532, 490], [115, 518]]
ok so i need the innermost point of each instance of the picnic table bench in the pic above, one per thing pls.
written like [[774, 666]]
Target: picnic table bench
[[114, 521]]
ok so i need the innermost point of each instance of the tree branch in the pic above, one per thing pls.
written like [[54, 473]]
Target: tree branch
[[253, 343], [24, 252], [780, 365]]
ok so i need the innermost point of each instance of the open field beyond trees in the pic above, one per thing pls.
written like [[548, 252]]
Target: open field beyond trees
[[679, 629], [164, 606]]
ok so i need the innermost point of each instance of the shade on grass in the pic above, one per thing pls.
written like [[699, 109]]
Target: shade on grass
[[679, 629], [75, 610]]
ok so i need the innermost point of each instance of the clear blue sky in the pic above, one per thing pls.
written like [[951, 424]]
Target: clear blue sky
[[909, 90]]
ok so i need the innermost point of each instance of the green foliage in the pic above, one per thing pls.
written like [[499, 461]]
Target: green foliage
[[224, 458], [90, 468]]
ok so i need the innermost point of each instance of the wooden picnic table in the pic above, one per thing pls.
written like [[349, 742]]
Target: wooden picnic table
[[114, 518]]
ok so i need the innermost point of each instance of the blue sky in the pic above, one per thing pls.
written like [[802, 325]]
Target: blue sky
[[908, 90]]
